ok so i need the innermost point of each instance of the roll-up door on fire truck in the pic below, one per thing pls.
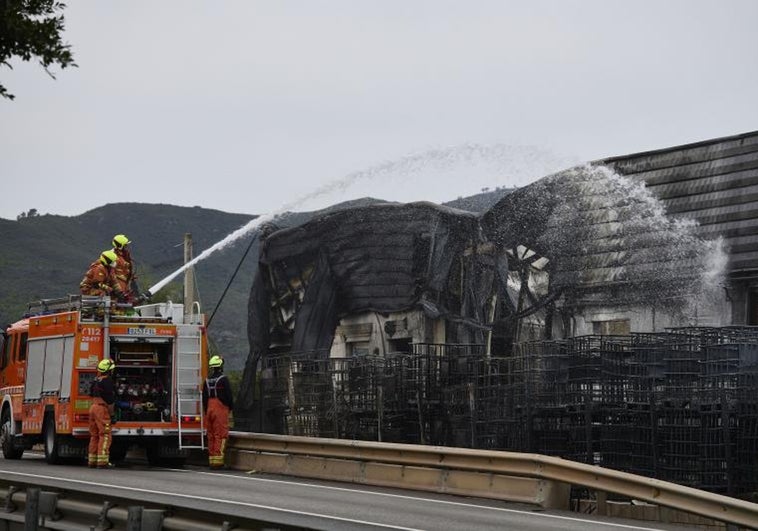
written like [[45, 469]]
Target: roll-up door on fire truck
[[68, 366], [48, 367], [35, 364], [51, 379]]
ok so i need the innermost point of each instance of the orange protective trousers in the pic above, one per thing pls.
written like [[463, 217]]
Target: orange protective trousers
[[218, 431], [99, 434]]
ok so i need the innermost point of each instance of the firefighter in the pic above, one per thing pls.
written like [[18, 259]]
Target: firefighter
[[100, 415], [123, 271], [99, 279], [217, 403]]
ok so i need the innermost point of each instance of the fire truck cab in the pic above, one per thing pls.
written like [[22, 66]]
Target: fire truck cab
[[49, 358]]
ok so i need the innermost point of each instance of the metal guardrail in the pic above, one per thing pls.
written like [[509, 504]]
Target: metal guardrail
[[511, 476], [28, 506]]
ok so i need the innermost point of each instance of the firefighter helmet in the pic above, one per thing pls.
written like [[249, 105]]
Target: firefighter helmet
[[106, 365], [215, 361], [120, 241], [108, 257]]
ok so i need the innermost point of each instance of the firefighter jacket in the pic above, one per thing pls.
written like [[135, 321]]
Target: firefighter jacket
[[217, 386], [123, 271], [97, 281], [103, 388]]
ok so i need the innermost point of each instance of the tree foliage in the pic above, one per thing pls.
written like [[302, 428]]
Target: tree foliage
[[33, 213], [31, 29]]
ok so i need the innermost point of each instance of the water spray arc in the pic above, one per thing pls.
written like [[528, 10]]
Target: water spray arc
[[234, 236], [530, 163]]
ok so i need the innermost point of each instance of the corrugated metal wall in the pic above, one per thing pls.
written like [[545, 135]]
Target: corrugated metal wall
[[714, 182]]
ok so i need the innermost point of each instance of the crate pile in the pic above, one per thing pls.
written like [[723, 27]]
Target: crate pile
[[679, 405]]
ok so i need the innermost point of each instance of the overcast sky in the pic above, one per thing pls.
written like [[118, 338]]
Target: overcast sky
[[246, 106]]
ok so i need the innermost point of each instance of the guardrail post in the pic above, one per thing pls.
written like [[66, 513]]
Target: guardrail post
[[141, 519], [102, 521], [31, 516], [134, 518], [11, 507], [48, 506], [602, 503], [664, 514], [152, 520]]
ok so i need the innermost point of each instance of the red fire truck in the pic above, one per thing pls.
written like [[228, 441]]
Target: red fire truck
[[49, 358]]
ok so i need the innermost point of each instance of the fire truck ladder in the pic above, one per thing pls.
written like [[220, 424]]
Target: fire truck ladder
[[189, 399], [87, 304]]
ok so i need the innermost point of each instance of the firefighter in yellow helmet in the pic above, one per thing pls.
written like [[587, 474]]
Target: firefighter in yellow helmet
[[100, 413], [217, 403], [99, 279], [123, 271]]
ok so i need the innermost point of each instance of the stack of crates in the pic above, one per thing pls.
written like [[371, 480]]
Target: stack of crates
[[717, 395], [625, 434], [400, 418], [746, 455], [356, 396], [679, 421], [309, 396], [458, 406], [490, 418], [537, 386], [679, 405]]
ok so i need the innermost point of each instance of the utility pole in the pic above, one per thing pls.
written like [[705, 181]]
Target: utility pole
[[189, 276]]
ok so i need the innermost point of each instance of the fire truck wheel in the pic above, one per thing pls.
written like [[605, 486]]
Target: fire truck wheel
[[154, 458], [6, 439], [50, 439], [118, 452]]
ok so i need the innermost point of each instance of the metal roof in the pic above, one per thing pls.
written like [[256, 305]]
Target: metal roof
[[714, 182]]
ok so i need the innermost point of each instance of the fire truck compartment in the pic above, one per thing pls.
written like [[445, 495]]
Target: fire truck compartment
[[143, 378]]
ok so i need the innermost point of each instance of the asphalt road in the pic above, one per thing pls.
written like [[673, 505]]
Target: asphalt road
[[313, 504]]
